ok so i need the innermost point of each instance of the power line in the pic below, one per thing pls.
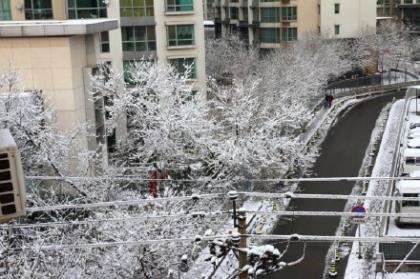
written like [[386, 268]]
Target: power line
[[110, 220], [325, 196], [120, 203], [210, 196], [292, 237], [326, 238], [138, 178], [205, 214]]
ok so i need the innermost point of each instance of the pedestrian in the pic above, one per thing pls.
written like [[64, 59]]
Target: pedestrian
[[329, 99]]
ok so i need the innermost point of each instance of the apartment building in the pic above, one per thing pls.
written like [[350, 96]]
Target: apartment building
[[409, 12], [277, 23], [57, 44]]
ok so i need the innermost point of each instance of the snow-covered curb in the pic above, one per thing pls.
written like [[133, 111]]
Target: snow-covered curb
[[365, 268]]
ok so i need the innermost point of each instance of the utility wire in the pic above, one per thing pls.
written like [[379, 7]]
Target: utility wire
[[293, 238], [138, 178], [110, 220], [120, 203], [325, 196], [205, 214], [211, 196]]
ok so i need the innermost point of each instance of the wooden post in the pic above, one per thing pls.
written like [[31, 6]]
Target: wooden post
[[242, 243]]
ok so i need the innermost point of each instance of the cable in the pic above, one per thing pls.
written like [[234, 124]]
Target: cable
[[120, 203], [325, 196], [137, 178], [326, 238], [204, 214], [122, 219], [125, 243], [210, 196], [294, 238]]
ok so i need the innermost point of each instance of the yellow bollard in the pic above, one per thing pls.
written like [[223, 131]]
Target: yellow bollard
[[274, 205], [337, 254], [332, 270]]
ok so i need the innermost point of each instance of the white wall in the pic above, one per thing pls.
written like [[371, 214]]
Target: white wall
[[355, 17]]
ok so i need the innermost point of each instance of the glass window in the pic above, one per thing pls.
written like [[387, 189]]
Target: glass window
[[182, 64], [180, 35], [289, 34], [179, 5], [411, 203], [270, 35], [5, 12], [336, 8], [270, 14], [86, 9], [337, 29], [104, 37], [38, 9], [289, 13], [138, 38], [134, 8], [234, 13]]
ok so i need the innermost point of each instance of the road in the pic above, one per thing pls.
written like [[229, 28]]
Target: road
[[342, 154]]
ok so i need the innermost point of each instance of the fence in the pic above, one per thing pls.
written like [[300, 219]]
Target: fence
[[398, 251]]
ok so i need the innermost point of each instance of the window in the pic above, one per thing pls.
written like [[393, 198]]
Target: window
[[179, 5], [270, 35], [337, 29], [86, 9], [336, 8], [270, 14], [104, 41], [5, 12], [289, 34], [38, 9], [130, 8], [183, 64], [234, 13], [411, 203], [180, 35], [138, 38], [289, 13]]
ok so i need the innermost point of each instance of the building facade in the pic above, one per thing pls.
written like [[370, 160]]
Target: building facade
[[277, 23], [169, 31], [408, 11]]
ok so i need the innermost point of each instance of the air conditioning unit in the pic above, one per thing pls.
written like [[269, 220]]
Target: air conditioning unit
[[12, 185]]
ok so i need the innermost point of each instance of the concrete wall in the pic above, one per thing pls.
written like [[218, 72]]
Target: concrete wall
[[55, 66], [197, 51], [308, 17], [355, 17]]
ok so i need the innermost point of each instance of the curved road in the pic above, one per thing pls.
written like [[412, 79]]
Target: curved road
[[342, 153]]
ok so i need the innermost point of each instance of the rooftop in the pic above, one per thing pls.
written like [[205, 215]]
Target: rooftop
[[46, 28]]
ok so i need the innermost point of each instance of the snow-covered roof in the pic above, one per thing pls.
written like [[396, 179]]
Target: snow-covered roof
[[46, 28], [411, 152], [413, 143], [408, 186]]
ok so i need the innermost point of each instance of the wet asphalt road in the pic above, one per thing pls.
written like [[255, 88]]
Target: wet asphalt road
[[342, 153]]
